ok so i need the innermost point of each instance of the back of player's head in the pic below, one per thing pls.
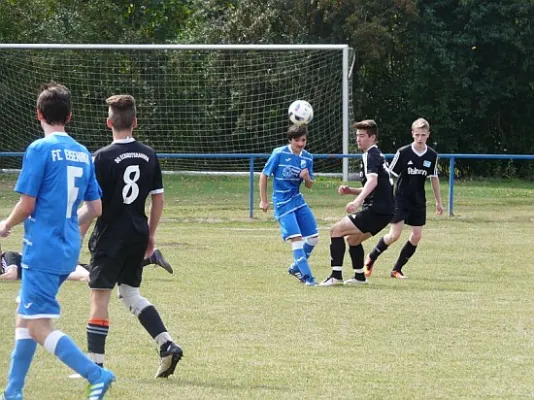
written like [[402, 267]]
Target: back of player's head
[[367, 125], [54, 103], [420, 123], [296, 131], [122, 111]]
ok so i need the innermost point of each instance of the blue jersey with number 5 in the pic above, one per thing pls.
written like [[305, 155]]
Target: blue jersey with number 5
[[59, 173]]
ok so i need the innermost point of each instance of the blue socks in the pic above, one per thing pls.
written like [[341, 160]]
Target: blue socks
[[301, 260], [66, 350], [21, 359]]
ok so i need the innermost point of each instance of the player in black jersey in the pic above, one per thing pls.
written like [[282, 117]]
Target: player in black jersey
[[128, 172], [376, 199], [412, 164]]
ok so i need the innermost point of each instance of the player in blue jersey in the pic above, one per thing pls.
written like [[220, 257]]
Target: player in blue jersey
[[291, 165], [57, 175]]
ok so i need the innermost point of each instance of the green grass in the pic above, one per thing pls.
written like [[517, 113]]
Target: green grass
[[461, 326]]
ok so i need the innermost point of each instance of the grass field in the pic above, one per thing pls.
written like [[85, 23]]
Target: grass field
[[461, 326]]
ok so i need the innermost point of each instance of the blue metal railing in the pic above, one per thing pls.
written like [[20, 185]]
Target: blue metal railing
[[253, 156]]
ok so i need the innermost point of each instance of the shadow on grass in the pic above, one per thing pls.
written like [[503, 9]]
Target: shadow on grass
[[221, 385]]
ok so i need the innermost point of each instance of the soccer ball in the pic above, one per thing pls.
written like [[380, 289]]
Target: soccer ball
[[300, 112]]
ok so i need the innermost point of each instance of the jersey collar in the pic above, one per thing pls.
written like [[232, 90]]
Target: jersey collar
[[370, 147], [420, 154], [291, 151], [59, 133], [123, 141]]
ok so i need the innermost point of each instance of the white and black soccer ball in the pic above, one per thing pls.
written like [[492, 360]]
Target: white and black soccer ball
[[300, 112]]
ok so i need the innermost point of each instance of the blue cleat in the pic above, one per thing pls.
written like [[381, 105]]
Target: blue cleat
[[98, 389], [293, 270], [309, 281]]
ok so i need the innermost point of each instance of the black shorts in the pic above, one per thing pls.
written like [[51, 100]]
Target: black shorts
[[116, 262], [368, 221], [410, 215]]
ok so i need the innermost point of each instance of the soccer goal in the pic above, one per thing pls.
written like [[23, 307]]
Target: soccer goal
[[198, 105]]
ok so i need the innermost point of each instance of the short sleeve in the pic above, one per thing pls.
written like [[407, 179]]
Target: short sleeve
[[272, 164], [32, 173], [157, 184], [396, 165], [374, 163], [93, 191]]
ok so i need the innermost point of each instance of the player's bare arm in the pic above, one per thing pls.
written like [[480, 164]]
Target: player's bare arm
[[22, 210], [264, 204], [370, 185], [156, 209], [86, 213], [305, 175], [434, 180], [344, 189]]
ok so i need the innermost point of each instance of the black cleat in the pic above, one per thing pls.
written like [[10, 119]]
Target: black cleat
[[170, 354], [157, 258]]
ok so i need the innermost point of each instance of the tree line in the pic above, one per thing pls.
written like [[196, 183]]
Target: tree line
[[465, 65]]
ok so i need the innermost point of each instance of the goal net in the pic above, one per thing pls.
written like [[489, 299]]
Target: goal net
[[198, 101]]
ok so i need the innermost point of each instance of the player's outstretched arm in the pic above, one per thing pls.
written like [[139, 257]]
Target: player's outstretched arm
[[344, 189], [22, 210], [264, 203], [437, 195]]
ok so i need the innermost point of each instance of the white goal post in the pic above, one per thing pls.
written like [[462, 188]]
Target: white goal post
[[192, 99]]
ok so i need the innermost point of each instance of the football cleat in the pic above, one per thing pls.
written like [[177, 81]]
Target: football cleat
[[157, 258], [97, 390], [398, 274], [368, 267], [309, 280], [293, 270], [170, 354], [355, 282], [331, 281]]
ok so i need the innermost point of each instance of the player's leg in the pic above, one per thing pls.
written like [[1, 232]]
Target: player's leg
[[356, 253], [407, 251], [290, 231], [149, 317], [37, 307], [21, 359], [385, 241], [308, 228], [157, 259], [369, 224], [338, 231], [107, 262]]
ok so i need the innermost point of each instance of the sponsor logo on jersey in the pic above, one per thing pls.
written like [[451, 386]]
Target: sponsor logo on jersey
[[288, 159], [426, 163], [416, 171], [410, 162]]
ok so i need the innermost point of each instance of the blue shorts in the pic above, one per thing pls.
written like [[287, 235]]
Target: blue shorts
[[300, 222], [37, 295]]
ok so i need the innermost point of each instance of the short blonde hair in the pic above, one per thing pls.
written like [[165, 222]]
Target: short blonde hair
[[420, 123]]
